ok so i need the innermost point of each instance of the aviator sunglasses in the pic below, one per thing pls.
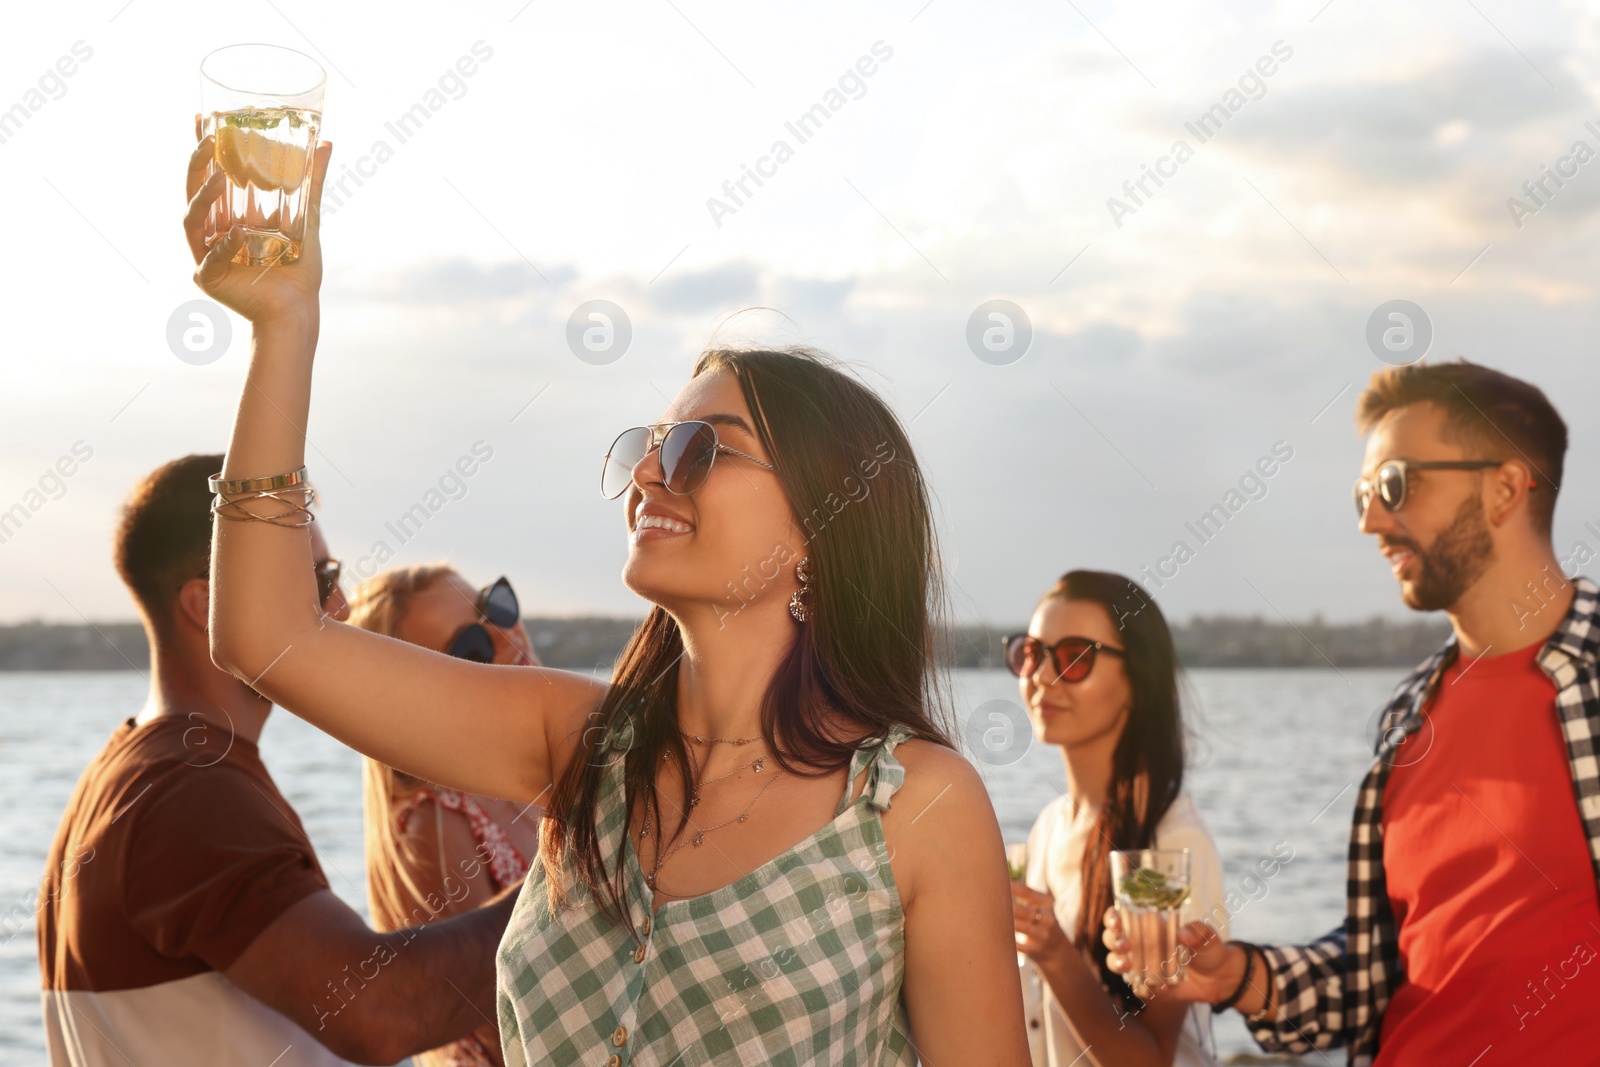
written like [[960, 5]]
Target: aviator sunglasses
[[1072, 657], [687, 449], [1390, 483], [497, 605]]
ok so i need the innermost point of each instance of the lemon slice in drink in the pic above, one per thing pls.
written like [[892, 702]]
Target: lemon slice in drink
[[251, 157]]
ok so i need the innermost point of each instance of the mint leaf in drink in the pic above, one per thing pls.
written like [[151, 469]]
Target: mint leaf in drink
[[1148, 887], [252, 118]]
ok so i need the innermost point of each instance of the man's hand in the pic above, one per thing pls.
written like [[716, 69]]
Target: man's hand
[[1213, 967], [278, 291]]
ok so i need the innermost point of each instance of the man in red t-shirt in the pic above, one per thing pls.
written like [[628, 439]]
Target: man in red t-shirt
[[1472, 934], [184, 917]]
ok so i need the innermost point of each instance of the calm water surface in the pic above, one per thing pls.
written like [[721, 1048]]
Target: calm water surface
[[1277, 757]]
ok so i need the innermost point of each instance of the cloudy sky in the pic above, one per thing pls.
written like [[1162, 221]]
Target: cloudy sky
[[1179, 335]]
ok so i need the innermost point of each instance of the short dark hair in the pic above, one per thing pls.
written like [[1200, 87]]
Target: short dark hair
[[1506, 417], [164, 536]]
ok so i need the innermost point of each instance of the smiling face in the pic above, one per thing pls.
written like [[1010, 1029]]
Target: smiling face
[[1091, 711], [1440, 542], [732, 540], [437, 612]]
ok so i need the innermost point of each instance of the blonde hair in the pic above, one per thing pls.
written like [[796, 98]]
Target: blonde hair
[[380, 605]]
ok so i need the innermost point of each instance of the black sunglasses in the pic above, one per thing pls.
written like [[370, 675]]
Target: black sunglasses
[[1390, 482], [327, 579], [497, 605], [687, 449], [1072, 657]]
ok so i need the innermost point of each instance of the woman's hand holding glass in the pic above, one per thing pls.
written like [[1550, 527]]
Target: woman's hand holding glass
[[282, 291]]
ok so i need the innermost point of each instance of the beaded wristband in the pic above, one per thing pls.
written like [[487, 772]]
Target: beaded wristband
[[1244, 982]]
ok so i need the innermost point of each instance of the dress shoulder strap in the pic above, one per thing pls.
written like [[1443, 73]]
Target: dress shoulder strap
[[885, 774]]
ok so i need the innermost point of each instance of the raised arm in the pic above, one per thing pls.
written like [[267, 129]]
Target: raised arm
[[497, 730]]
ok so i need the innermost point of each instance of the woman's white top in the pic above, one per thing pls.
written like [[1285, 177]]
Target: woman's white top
[[1055, 856]]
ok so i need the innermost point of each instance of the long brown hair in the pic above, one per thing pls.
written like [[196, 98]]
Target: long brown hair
[[866, 650], [379, 605], [1147, 764]]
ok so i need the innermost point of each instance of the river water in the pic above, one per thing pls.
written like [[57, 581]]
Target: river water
[[1277, 757]]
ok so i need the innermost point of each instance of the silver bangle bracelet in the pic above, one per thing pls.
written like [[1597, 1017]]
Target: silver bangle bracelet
[[217, 484]]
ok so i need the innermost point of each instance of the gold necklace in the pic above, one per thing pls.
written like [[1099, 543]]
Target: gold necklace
[[759, 763], [700, 832], [718, 740]]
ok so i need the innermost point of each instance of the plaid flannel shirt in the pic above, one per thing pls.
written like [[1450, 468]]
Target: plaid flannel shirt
[[1334, 991]]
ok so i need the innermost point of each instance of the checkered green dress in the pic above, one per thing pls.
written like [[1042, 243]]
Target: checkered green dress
[[798, 962]]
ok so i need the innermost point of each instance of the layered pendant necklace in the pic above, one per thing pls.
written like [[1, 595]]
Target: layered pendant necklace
[[699, 838]]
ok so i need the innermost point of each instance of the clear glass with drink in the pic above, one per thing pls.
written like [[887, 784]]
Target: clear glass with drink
[[1017, 860], [263, 104], [1151, 887], [1017, 864]]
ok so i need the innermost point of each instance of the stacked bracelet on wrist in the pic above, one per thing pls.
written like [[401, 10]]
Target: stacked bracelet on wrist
[[1244, 982], [276, 487], [218, 484]]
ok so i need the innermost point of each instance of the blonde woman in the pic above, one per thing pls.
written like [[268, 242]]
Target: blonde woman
[[434, 851]]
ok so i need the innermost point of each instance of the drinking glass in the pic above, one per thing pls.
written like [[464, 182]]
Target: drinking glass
[[1017, 860], [263, 104], [1151, 887]]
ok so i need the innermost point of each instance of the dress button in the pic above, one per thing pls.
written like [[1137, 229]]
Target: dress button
[[1033, 1023], [613, 1061], [644, 927], [619, 1036], [638, 954]]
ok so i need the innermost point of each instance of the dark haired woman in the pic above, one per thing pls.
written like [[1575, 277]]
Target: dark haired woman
[[758, 846], [1099, 678]]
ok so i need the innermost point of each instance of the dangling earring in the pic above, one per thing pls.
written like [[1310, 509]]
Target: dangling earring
[[797, 601]]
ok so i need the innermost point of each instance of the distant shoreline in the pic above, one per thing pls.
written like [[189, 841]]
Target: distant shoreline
[[593, 642]]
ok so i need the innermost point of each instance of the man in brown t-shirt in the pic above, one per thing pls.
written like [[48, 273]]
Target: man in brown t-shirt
[[184, 918]]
